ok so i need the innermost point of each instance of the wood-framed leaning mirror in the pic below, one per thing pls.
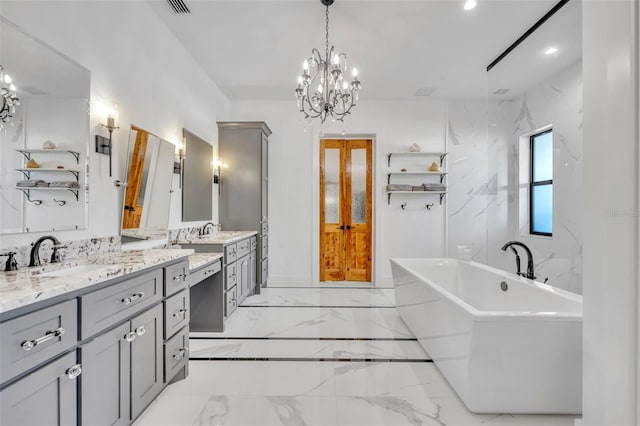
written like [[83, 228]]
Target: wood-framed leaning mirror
[[147, 198]]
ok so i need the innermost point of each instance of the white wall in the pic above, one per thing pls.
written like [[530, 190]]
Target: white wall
[[136, 63], [555, 102], [294, 183], [611, 212]]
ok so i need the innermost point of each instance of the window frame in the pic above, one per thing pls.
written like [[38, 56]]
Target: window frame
[[533, 183]]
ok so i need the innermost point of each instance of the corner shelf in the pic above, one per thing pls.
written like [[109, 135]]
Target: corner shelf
[[27, 171], [441, 193], [441, 155], [27, 153], [441, 174]]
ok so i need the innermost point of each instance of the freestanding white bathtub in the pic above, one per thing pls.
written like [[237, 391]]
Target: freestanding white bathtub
[[513, 351]]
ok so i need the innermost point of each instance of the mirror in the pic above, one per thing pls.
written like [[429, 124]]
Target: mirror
[[43, 189], [147, 199], [197, 183], [538, 88]]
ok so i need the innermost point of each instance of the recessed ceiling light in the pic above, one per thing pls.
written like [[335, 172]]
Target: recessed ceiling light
[[470, 4], [551, 51]]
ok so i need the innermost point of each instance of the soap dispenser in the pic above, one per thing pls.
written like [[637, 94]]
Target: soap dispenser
[[12, 264]]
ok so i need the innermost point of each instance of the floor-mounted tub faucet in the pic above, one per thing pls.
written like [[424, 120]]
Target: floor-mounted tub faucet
[[530, 274]]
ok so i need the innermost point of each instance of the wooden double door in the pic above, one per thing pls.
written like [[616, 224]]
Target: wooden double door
[[345, 209]]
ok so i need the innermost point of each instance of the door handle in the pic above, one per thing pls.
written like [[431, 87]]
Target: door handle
[[341, 227], [348, 226]]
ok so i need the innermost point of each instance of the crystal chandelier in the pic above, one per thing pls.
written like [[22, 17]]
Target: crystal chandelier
[[9, 98], [322, 88]]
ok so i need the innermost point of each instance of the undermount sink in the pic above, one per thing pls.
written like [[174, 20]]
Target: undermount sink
[[80, 269]]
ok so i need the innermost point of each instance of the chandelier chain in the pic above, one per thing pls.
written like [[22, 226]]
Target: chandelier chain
[[326, 29]]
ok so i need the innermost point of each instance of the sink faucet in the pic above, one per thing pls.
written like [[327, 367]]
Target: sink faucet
[[34, 257], [205, 228], [530, 274]]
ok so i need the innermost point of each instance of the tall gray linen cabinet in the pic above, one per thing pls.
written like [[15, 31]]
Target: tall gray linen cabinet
[[243, 148]]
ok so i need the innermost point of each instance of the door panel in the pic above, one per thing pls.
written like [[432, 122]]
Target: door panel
[[358, 223], [331, 211], [345, 210]]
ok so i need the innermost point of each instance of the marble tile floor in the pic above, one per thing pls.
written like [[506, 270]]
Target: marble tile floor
[[326, 322], [294, 349], [265, 370], [346, 297]]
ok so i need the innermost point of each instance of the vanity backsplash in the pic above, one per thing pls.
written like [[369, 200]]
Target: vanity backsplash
[[74, 249]]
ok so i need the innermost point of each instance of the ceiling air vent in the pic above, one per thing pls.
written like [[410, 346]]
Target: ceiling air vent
[[33, 90], [500, 91], [424, 91], [179, 7]]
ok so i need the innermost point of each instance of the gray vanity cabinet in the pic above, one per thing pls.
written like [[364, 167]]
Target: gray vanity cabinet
[[243, 277], [98, 357], [106, 378], [244, 146], [122, 370], [147, 378], [47, 396]]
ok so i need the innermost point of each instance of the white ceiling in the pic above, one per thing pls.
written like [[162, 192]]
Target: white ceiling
[[253, 49]]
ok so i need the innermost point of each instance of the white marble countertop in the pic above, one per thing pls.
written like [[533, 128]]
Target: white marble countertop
[[29, 285], [222, 237], [198, 260]]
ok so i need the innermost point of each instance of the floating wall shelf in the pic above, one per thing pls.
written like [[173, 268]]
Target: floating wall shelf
[[441, 174], [27, 172], [27, 191], [441, 155], [27, 152], [440, 193]]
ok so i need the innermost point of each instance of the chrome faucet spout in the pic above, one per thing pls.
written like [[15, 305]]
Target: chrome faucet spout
[[530, 272]]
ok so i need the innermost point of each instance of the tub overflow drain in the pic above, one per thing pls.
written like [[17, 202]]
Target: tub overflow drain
[[504, 286]]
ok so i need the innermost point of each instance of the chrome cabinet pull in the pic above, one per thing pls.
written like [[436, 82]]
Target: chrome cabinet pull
[[181, 353], [180, 313], [74, 371], [130, 336], [141, 330], [132, 298], [27, 345], [180, 277]]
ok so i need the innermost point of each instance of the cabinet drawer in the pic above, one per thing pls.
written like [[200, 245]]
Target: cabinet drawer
[[175, 278], [176, 354], [231, 301], [264, 228], [244, 247], [230, 253], [34, 338], [254, 243], [176, 313], [264, 271], [106, 307], [264, 247], [231, 276], [201, 274]]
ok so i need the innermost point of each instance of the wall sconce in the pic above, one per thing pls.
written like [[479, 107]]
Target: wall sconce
[[178, 165], [217, 173], [104, 145]]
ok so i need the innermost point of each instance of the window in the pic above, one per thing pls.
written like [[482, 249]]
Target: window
[[541, 184]]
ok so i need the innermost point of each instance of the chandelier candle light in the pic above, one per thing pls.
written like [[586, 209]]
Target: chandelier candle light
[[322, 88], [9, 98]]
